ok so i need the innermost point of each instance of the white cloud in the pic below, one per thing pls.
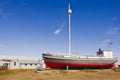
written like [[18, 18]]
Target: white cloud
[[113, 31], [59, 29], [114, 18]]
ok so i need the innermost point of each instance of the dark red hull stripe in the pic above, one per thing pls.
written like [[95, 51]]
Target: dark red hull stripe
[[58, 65]]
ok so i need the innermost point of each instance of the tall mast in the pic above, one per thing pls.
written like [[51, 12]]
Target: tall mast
[[69, 28]]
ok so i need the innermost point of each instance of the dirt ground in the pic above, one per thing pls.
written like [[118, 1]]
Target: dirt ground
[[60, 75]]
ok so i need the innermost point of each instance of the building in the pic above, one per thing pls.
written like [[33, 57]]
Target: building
[[19, 63]]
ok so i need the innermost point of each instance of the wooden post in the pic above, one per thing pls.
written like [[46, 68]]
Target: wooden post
[[67, 67]]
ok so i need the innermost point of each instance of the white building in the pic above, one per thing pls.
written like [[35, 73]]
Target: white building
[[19, 63]]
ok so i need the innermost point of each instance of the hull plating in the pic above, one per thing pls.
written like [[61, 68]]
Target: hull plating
[[58, 65]]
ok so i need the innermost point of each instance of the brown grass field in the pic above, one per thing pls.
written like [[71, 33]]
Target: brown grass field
[[60, 75]]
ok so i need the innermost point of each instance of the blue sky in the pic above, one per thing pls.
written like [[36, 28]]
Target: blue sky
[[27, 27]]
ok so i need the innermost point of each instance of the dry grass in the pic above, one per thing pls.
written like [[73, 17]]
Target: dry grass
[[60, 75]]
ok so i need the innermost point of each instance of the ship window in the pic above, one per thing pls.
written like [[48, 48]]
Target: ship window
[[14, 63], [35, 64], [30, 64], [25, 64]]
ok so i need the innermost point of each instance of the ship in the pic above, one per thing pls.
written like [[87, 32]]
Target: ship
[[104, 58]]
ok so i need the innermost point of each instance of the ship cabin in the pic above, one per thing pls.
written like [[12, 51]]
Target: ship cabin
[[105, 53]]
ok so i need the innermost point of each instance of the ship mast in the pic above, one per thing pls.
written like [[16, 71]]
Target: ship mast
[[69, 28]]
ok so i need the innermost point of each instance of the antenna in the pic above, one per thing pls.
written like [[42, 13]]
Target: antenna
[[69, 28], [109, 44]]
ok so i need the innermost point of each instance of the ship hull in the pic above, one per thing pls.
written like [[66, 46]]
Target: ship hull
[[58, 62], [58, 65]]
